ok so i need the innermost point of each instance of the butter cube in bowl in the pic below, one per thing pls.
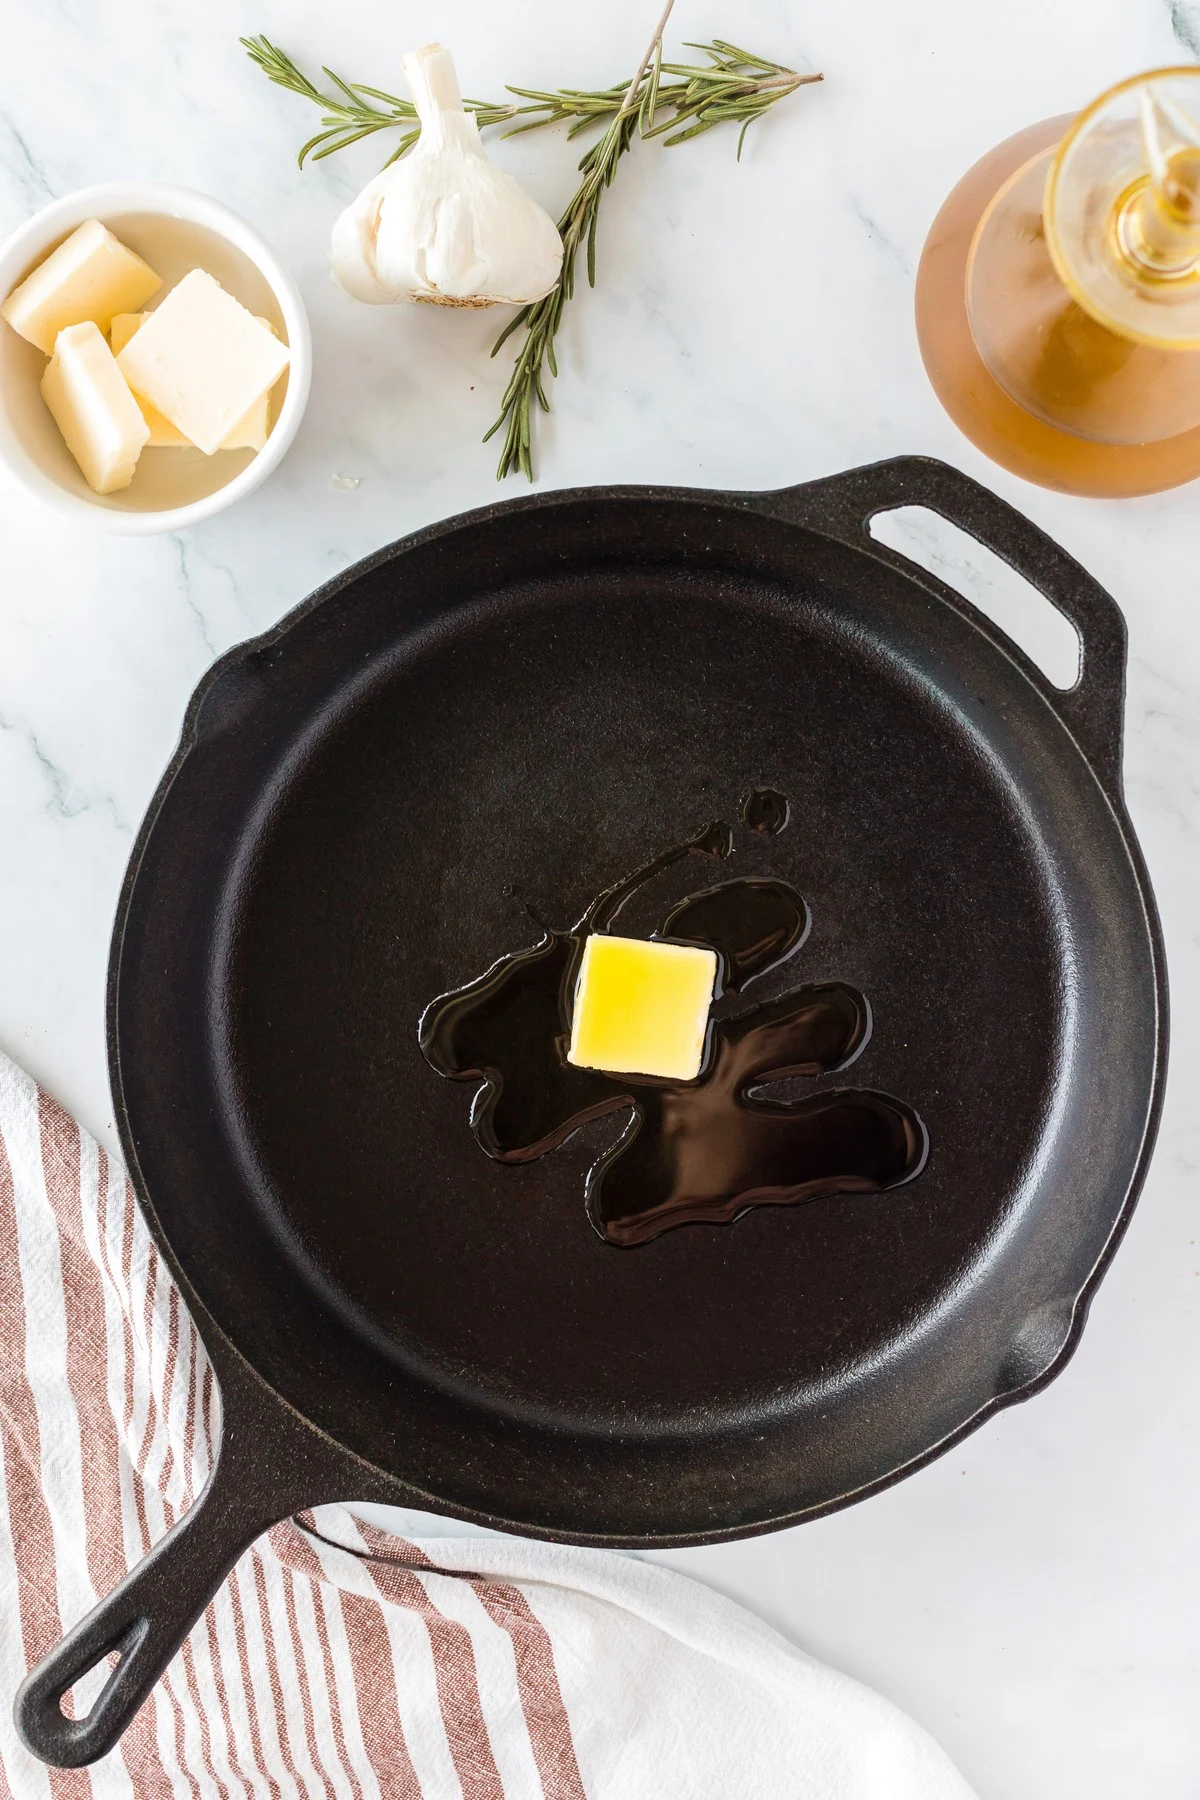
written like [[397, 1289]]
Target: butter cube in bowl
[[101, 423], [220, 381]]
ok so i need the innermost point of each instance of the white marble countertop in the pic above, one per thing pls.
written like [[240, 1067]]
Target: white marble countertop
[[1034, 1598]]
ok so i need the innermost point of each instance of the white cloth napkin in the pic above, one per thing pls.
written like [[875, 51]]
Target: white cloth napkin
[[342, 1660]]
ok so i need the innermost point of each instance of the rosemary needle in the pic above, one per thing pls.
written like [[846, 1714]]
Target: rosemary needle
[[672, 100]]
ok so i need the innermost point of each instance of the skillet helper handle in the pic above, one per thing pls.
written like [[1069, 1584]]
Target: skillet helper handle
[[268, 1467], [844, 505]]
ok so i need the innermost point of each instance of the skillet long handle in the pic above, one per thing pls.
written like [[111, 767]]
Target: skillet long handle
[[268, 1467], [144, 1621], [844, 505]]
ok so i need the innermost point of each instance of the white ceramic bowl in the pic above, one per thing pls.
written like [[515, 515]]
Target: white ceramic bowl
[[174, 229]]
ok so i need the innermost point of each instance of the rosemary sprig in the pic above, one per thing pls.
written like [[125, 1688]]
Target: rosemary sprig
[[679, 99], [734, 86], [350, 112], [541, 320]]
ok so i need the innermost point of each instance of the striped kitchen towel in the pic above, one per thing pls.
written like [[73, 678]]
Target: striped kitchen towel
[[339, 1659]]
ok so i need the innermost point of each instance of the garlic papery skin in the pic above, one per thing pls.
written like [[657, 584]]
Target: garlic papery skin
[[442, 224]]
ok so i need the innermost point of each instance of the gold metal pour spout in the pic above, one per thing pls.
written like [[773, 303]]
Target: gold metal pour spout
[[1158, 221], [1122, 209]]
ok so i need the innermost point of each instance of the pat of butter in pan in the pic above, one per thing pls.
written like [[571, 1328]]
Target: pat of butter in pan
[[202, 360], [98, 416], [91, 276], [641, 1007], [250, 433]]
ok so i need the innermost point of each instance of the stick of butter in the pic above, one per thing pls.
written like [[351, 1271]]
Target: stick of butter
[[92, 275], [641, 1007], [93, 408], [250, 433], [202, 360]]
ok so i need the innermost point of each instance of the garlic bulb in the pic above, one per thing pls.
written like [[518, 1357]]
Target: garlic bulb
[[442, 224]]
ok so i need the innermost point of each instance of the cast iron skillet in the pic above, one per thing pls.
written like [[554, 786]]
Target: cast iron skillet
[[511, 711]]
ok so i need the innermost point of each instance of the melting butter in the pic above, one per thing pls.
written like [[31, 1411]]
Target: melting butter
[[641, 1007]]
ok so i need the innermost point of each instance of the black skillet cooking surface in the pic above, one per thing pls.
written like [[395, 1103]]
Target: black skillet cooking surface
[[500, 717]]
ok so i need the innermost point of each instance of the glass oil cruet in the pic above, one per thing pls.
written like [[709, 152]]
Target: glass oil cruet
[[1058, 297]]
